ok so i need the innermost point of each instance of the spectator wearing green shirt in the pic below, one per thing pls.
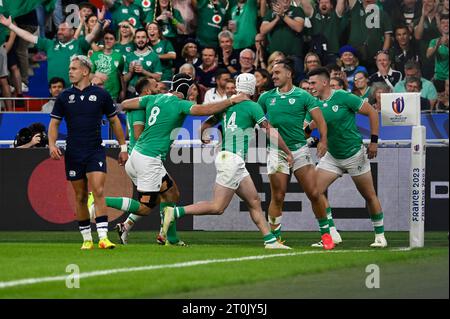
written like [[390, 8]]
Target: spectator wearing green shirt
[[169, 20], [283, 25], [438, 48], [412, 69], [143, 62], [4, 85], [125, 43], [111, 63], [62, 48], [243, 22], [327, 26], [370, 31], [426, 28], [361, 86], [211, 19], [125, 10], [163, 49]]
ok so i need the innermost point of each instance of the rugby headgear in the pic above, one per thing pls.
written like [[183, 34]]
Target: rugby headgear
[[181, 83], [246, 83]]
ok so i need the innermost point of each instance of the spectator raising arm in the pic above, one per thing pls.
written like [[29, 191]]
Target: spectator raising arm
[[27, 36]]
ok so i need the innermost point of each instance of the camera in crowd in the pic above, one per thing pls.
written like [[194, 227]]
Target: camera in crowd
[[34, 135]]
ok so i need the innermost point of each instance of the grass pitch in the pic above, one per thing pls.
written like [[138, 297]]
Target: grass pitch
[[221, 265]]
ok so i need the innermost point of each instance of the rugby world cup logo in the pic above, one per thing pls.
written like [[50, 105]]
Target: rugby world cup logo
[[398, 105]]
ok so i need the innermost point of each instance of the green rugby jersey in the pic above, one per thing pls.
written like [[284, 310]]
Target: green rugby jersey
[[286, 112], [339, 110], [238, 122], [135, 117], [164, 115]]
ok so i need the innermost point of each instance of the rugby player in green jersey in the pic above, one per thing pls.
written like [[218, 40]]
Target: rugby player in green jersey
[[164, 115], [346, 152], [238, 122], [286, 107]]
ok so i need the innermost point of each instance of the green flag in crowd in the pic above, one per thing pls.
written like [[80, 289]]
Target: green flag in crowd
[[17, 8]]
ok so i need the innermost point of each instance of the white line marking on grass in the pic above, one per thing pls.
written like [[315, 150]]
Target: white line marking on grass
[[31, 281]]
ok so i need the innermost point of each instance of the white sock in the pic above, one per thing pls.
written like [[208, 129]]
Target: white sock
[[131, 220]]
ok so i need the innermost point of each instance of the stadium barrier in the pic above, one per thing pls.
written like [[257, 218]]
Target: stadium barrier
[[34, 194]]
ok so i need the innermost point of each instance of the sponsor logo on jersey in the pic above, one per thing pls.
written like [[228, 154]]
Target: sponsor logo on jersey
[[125, 10], [100, 164], [57, 47], [398, 105], [291, 101], [273, 101], [136, 12], [72, 98], [325, 104], [148, 63], [92, 98], [82, 97], [72, 173], [158, 50], [335, 108], [116, 63], [71, 47]]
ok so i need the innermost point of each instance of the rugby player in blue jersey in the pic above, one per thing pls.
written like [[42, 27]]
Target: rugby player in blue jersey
[[83, 106]]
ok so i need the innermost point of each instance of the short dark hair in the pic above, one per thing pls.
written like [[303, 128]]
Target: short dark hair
[[221, 72], [414, 79], [332, 67], [340, 81], [401, 26], [210, 48], [411, 64], [141, 84], [110, 32], [289, 64], [319, 71], [141, 30], [55, 80], [444, 16], [87, 5]]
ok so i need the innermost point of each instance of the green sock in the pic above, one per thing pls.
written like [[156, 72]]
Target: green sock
[[324, 226], [172, 231], [377, 222], [125, 204], [330, 217], [277, 232], [269, 239], [179, 212]]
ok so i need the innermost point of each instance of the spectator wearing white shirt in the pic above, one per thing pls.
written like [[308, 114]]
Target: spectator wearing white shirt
[[218, 93], [55, 86]]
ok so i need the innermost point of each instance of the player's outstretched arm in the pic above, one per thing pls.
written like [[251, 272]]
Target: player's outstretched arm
[[118, 132], [217, 107], [272, 133], [369, 111], [53, 129], [130, 104], [321, 125]]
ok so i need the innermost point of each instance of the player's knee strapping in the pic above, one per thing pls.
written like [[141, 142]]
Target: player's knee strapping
[[149, 199], [169, 183]]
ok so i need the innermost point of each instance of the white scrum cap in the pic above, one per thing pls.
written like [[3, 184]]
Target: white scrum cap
[[246, 83]]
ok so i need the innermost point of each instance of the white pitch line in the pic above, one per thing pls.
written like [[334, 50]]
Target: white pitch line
[[31, 281]]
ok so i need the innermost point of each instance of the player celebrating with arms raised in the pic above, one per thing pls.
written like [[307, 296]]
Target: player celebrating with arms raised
[[346, 152], [83, 106]]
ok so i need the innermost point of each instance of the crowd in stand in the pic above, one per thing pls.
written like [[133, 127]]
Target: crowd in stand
[[370, 47]]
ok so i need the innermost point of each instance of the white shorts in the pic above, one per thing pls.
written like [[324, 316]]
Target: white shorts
[[146, 172], [356, 165], [277, 164], [230, 169]]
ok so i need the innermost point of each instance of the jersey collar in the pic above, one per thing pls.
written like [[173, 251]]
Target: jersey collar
[[287, 93], [329, 98]]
